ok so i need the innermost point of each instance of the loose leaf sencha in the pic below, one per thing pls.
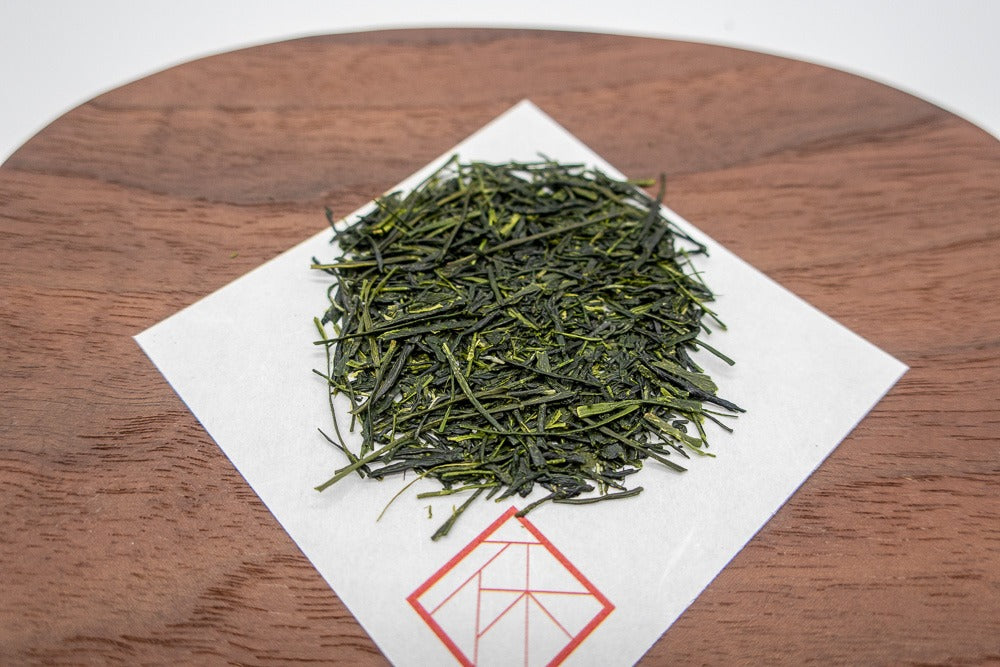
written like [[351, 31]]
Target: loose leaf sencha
[[503, 326]]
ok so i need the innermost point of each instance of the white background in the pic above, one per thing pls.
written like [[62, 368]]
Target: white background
[[55, 54]]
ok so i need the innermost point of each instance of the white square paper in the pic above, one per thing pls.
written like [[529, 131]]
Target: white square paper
[[580, 585]]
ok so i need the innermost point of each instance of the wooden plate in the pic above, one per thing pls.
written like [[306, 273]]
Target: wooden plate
[[127, 535]]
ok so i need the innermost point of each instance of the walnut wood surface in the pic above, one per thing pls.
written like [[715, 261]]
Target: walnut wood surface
[[128, 537]]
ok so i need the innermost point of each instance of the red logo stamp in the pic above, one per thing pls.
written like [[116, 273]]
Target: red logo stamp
[[510, 597]]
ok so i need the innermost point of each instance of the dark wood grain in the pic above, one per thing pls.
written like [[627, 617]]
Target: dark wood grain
[[127, 535]]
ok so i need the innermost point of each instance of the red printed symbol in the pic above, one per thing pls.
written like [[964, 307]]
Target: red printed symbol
[[510, 597]]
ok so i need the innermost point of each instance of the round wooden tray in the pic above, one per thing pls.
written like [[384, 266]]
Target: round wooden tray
[[128, 536]]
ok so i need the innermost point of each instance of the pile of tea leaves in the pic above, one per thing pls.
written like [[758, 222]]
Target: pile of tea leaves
[[503, 327]]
